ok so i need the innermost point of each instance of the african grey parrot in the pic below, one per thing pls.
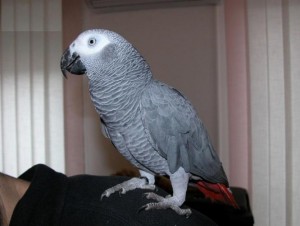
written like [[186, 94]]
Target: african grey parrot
[[152, 124]]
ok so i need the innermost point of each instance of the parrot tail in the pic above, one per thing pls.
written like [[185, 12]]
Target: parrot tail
[[217, 192]]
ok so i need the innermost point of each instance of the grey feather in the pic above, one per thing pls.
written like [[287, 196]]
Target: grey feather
[[177, 133], [152, 124]]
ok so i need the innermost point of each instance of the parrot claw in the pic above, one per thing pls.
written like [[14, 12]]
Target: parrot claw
[[122, 191], [104, 194], [142, 209]]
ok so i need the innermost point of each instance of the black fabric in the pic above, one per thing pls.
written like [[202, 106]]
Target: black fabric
[[222, 214], [54, 199]]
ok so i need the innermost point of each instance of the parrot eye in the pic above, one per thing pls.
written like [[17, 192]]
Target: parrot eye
[[92, 41]]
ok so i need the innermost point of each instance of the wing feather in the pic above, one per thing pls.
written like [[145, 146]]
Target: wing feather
[[177, 133]]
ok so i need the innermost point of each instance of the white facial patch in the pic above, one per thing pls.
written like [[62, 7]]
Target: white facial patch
[[89, 44]]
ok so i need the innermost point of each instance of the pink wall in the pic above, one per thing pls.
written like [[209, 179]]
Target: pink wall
[[236, 47]]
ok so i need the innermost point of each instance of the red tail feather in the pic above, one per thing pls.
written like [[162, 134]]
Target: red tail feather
[[217, 192]]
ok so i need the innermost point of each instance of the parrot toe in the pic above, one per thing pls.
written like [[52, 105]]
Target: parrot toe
[[126, 186], [168, 202], [104, 194]]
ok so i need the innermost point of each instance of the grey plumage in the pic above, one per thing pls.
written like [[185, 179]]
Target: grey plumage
[[177, 133], [152, 124]]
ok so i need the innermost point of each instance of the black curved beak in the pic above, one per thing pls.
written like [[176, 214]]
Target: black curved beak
[[71, 63]]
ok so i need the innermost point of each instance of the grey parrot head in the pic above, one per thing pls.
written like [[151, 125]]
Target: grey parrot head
[[91, 49]]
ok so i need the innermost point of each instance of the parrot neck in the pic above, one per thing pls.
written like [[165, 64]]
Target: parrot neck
[[117, 95]]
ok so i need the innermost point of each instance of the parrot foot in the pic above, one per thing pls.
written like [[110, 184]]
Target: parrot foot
[[129, 185], [165, 203]]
